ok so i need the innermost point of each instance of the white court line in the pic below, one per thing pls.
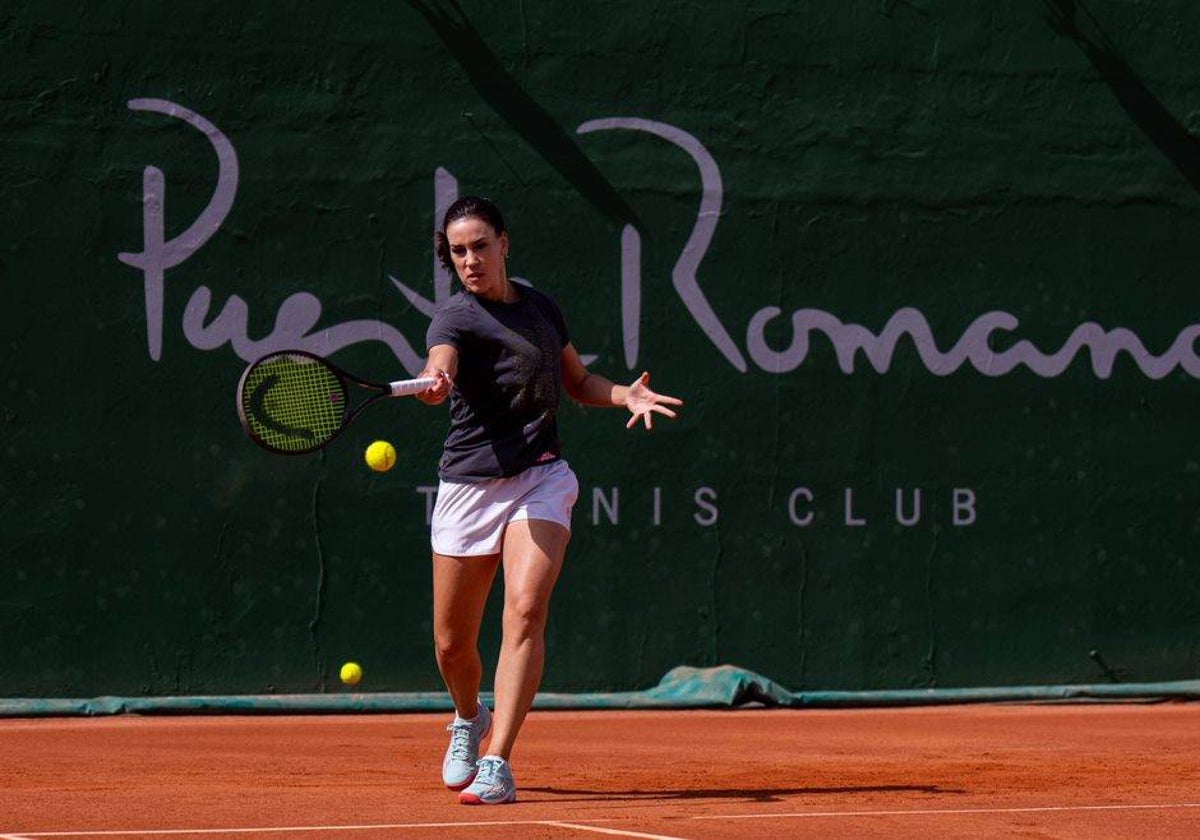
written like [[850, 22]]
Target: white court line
[[923, 812], [616, 831], [277, 829], [930, 812], [156, 832]]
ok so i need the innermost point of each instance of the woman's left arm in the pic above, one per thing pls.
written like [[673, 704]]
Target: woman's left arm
[[589, 388]]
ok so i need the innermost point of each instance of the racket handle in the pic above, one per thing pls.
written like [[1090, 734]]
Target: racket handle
[[404, 387]]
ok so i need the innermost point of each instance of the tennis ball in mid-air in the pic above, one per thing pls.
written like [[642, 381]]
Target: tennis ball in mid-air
[[381, 456], [351, 673]]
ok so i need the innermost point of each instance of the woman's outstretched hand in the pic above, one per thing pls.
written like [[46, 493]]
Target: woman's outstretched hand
[[644, 403]]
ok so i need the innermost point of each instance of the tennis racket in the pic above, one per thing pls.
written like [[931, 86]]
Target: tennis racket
[[293, 402]]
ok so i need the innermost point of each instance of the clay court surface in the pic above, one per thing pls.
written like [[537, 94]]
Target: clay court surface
[[1030, 771]]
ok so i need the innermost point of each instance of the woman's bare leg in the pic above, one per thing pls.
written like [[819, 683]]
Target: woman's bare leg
[[460, 592], [533, 554]]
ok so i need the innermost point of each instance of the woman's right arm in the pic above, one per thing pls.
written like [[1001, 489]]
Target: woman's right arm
[[441, 365]]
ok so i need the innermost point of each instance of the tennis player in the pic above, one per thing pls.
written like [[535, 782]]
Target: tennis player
[[503, 355]]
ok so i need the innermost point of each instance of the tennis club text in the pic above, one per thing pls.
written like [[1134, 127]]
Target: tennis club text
[[844, 507]]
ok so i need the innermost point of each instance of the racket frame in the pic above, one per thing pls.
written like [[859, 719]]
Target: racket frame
[[398, 388]]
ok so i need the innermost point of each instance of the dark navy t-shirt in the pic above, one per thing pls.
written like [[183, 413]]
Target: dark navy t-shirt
[[504, 406]]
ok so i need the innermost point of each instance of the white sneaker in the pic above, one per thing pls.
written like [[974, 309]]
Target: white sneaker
[[462, 756], [493, 784]]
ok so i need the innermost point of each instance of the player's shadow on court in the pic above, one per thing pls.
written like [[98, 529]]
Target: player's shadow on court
[[756, 795]]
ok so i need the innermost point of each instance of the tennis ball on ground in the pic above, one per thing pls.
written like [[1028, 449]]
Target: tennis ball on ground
[[381, 456], [351, 673]]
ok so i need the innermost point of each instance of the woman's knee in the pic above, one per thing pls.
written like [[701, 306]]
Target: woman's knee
[[451, 648], [526, 614]]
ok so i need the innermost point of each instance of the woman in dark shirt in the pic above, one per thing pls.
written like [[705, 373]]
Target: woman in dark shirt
[[502, 353]]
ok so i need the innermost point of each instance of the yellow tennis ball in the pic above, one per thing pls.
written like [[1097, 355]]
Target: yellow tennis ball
[[351, 673], [381, 456]]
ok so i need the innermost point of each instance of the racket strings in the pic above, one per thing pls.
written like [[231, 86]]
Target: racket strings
[[293, 403]]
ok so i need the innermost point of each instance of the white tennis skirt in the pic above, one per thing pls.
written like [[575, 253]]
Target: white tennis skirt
[[469, 518]]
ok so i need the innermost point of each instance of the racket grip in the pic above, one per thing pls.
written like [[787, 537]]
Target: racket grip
[[404, 387]]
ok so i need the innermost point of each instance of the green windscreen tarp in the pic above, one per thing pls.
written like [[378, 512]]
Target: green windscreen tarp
[[682, 688]]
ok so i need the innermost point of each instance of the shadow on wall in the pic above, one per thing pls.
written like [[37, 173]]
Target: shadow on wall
[[1169, 135], [521, 111]]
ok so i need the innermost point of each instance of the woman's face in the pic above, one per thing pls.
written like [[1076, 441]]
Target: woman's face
[[478, 255]]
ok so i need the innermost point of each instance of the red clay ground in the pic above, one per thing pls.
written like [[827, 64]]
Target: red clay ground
[[960, 772]]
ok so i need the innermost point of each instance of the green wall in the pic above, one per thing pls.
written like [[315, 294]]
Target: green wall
[[881, 248]]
